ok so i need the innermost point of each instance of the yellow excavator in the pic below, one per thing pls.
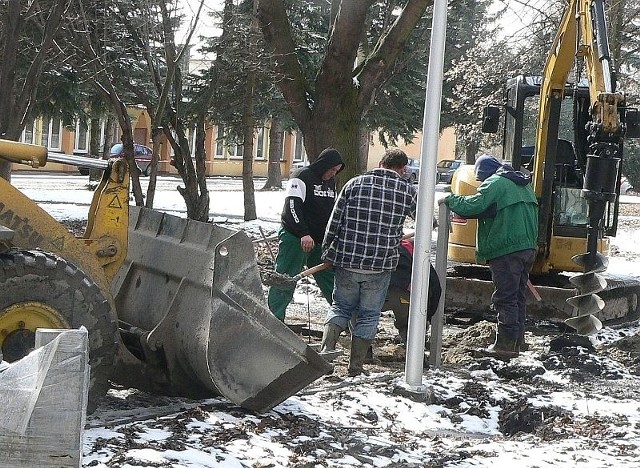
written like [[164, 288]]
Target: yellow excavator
[[569, 134], [172, 306]]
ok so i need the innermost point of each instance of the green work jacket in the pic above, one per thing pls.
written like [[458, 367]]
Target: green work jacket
[[513, 227]]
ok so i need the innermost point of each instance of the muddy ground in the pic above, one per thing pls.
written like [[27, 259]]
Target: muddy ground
[[608, 366], [461, 333]]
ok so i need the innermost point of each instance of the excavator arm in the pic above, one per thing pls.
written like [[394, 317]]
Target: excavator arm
[[567, 127], [582, 40]]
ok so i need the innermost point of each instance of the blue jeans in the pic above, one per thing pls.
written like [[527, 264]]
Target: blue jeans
[[359, 296]]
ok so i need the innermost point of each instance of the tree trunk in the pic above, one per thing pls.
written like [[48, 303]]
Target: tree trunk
[[248, 123], [194, 192], [336, 124], [156, 133], [343, 93], [127, 144], [363, 160], [471, 149], [274, 174], [247, 165]]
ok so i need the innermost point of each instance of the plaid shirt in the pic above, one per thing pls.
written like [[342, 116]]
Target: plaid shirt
[[365, 227]]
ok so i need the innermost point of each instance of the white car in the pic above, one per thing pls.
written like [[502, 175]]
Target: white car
[[625, 186]]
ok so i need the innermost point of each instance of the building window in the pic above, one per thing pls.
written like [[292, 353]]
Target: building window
[[260, 143], [236, 151], [299, 153], [51, 131], [220, 142], [28, 133], [82, 138]]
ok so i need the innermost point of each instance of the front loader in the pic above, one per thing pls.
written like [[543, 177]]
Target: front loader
[[172, 306], [569, 134]]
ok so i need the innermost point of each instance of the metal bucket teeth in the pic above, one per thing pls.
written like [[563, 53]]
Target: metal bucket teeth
[[588, 283]]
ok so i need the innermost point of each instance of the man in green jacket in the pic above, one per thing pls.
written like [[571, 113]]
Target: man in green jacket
[[507, 212]]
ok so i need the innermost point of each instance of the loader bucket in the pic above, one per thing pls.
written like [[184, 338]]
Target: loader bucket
[[191, 293]]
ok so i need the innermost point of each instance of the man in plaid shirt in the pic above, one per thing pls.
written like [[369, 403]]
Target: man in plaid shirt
[[361, 242]]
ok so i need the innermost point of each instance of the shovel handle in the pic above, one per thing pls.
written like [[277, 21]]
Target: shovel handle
[[534, 291], [312, 270]]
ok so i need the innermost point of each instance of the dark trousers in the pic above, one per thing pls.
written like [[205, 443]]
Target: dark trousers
[[510, 274]]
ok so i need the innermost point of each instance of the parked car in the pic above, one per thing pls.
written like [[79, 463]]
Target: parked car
[[412, 173], [625, 186], [445, 170], [142, 155]]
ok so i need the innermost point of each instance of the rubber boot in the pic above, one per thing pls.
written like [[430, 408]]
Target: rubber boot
[[521, 344], [504, 347], [359, 348], [330, 337], [371, 357]]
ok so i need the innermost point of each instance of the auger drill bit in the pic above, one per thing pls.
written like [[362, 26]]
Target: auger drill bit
[[599, 189]]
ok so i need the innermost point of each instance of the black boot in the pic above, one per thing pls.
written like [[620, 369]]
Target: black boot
[[521, 344], [330, 337], [370, 358], [359, 348], [504, 346]]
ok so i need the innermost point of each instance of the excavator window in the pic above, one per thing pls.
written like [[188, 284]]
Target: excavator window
[[566, 174], [490, 119]]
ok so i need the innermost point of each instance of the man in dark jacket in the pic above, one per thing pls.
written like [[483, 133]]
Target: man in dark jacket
[[400, 290], [310, 195], [507, 211]]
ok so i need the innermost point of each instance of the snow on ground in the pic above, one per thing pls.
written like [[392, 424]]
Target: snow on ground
[[551, 407]]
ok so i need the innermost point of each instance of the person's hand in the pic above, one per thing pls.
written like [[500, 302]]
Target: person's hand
[[307, 243], [443, 201]]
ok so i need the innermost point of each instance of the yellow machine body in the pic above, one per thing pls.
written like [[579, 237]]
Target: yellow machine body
[[172, 306]]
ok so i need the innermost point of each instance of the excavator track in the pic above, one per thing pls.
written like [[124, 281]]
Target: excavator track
[[469, 290]]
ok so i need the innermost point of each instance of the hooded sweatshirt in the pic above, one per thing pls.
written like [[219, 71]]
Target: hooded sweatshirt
[[507, 209], [309, 199]]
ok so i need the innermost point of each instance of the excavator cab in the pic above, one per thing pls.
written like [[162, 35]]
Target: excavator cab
[[563, 209]]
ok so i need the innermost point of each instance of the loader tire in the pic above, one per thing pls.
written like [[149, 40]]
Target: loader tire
[[39, 289]]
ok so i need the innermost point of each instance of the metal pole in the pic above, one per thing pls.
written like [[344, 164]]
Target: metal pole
[[426, 194], [435, 349]]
